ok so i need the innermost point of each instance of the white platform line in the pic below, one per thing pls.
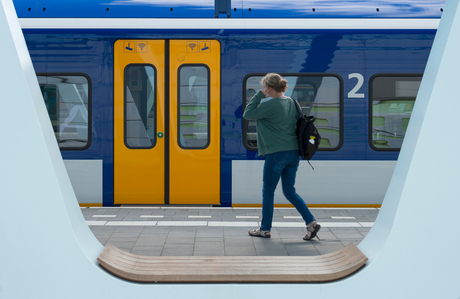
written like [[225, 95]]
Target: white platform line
[[223, 223], [340, 224], [125, 208], [243, 217], [232, 224], [367, 224], [292, 217], [152, 216], [342, 217], [190, 208], [182, 223], [198, 216], [96, 223], [288, 224], [166, 208], [223, 208], [131, 223], [332, 208], [104, 216], [103, 207]]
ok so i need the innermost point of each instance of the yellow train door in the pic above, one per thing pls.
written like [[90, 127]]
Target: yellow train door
[[195, 134], [167, 122]]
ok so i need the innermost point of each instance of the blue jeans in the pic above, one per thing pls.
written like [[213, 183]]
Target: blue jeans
[[281, 164]]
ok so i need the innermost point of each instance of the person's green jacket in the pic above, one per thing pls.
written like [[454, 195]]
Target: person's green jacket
[[276, 123]]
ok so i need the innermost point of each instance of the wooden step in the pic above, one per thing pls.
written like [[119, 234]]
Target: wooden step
[[240, 269]]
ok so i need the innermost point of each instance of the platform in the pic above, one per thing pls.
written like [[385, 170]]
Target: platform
[[188, 231]]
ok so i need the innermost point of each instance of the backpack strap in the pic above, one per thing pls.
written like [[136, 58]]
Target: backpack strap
[[297, 105], [299, 109]]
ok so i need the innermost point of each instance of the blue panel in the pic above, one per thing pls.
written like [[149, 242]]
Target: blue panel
[[119, 9], [239, 8], [26, 8], [226, 183], [342, 9]]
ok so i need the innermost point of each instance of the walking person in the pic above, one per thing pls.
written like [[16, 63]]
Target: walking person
[[277, 141]]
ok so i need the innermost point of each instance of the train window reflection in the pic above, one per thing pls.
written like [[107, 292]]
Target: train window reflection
[[193, 110], [67, 101], [140, 103], [318, 95], [392, 100]]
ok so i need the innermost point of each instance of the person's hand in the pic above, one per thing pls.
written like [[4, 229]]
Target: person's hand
[[265, 92]]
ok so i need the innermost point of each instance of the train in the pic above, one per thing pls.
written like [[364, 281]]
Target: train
[[146, 96]]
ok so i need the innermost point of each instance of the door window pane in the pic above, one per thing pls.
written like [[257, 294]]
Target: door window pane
[[319, 96], [140, 104], [392, 98], [193, 107], [66, 99]]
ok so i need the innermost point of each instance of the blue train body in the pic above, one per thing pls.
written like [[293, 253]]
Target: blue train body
[[391, 47]]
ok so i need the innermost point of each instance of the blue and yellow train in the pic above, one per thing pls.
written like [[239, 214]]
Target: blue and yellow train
[[146, 96]]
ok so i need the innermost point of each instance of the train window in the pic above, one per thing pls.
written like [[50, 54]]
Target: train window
[[318, 95], [193, 107], [67, 98], [140, 106], [392, 99]]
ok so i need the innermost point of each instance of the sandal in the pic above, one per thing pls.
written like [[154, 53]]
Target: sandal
[[258, 232], [312, 230]]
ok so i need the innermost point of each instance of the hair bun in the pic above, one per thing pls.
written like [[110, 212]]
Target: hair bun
[[275, 81]]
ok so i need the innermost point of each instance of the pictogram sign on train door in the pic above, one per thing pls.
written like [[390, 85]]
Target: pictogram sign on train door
[[167, 122]]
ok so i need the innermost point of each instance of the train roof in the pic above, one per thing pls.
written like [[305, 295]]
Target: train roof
[[228, 9]]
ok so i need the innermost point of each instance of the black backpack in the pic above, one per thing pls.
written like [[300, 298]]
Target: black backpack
[[309, 138]]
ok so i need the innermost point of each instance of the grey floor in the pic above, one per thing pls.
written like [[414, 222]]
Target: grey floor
[[169, 231]]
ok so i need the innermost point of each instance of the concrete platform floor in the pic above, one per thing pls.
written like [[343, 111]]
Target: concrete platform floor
[[210, 231]]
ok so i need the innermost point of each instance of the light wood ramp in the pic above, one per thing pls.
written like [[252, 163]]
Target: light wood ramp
[[239, 269]]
